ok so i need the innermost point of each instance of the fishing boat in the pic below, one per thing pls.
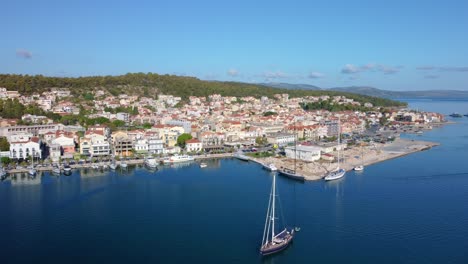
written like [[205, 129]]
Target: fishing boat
[[273, 242], [151, 163], [269, 166], [338, 172], [178, 158], [203, 165], [123, 165], [241, 156]]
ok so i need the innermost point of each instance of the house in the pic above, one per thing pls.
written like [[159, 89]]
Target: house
[[55, 152], [25, 147], [141, 146], [67, 145], [281, 139], [193, 145], [155, 145]]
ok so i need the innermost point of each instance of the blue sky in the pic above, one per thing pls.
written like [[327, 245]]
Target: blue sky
[[395, 45]]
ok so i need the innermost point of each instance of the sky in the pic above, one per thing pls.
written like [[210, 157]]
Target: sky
[[393, 45]]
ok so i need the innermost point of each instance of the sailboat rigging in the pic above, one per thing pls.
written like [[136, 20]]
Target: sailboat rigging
[[272, 242], [338, 172], [292, 173]]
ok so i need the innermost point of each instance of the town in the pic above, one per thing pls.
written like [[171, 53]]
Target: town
[[138, 127]]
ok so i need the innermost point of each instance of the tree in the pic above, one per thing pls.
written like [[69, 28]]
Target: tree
[[5, 160], [182, 139], [147, 125], [4, 145]]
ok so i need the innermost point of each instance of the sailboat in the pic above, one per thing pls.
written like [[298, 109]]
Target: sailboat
[[292, 174], [32, 171], [338, 172], [360, 167], [272, 242]]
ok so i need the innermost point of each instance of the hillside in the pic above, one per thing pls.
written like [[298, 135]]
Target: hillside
[[152, 84]]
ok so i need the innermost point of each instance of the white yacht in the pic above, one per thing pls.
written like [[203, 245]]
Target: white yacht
[[178, 158], [359, 168], [151, 163], [203, 165], [269, 166]]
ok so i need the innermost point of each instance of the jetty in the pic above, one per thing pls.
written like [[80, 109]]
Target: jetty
[[371, 154]]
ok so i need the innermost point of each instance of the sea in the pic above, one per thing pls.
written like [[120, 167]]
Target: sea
[[412, 209]]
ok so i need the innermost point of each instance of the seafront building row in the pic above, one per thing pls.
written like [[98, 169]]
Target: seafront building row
[[215, 123]]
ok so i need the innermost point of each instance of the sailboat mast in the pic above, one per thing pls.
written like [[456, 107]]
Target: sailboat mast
[[339, 141], [273, 208]]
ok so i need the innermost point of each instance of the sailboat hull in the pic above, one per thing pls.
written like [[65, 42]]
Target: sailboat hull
[[291, 175], [335, 175], [272, 248]]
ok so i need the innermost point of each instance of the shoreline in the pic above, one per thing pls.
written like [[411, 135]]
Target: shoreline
[[312, 171]]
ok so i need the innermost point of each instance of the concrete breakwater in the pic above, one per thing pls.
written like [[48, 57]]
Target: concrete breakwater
[[353, 157]]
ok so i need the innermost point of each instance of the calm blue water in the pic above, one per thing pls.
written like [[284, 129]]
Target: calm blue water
[[407, 210]]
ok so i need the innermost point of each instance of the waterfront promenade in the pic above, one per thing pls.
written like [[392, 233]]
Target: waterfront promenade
[[129, 162]]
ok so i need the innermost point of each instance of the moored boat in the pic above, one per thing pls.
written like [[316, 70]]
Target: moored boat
[[241, 156], [338, 172], [151, 163], [269, 166], [292, 174], [178, 158], [359, 168], [203, 165], [455, 115], [272, 242]]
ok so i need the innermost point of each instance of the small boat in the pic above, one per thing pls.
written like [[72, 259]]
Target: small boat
[[151, 163], [123, 165], [3, 174], [67, 170], [56, 170], [113, 166], [359, 168], [466, 115], [455, 115], [419, 132], [178, 158], [32, 172], [203, 165], [95, 166], [269, 166], [241, 156], [271, 242]]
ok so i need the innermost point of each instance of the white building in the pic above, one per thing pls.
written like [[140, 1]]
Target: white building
[[193, 145], [155, 146], [305, 153], [25, 147], [141, 145], [281, 139]]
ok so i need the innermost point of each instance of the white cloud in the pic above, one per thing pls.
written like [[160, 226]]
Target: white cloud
[[233, 72], [370, 67], [315, 75], [25, 54]]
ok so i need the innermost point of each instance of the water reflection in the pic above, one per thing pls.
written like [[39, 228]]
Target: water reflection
[[18, 179]]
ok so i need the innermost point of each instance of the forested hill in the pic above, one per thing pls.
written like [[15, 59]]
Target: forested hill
[[151, 84]]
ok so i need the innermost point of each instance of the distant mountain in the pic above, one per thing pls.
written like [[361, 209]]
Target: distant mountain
[[372, 91], [291, 86], [436, 94]]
